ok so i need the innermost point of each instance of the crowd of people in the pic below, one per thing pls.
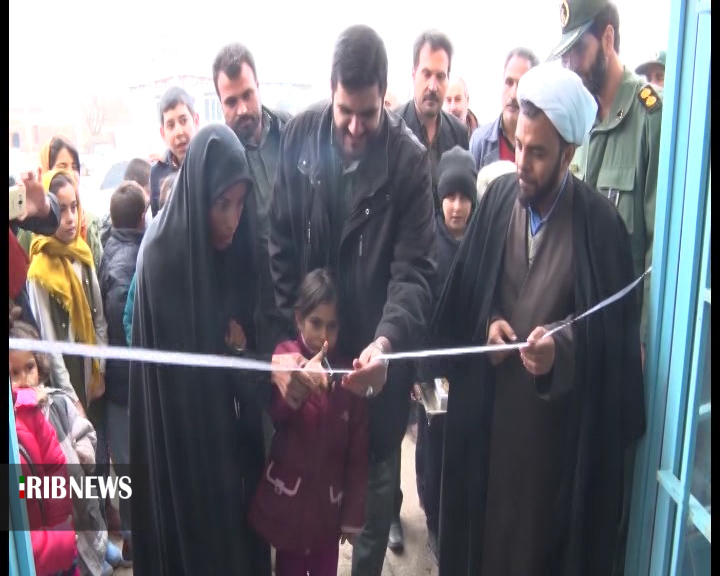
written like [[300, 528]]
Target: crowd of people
[[320, 244]]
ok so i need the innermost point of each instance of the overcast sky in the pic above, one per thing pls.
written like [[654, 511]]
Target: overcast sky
[[61, 52]]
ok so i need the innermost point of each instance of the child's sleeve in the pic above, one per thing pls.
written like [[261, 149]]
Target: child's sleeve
[[53, 550], [54, 464], [280, 410], [84, 437], [356, 470], [127, 315], [101, 327], [60, 377]]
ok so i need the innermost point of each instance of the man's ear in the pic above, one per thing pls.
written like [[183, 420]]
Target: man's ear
[[608, 39], [162, 131], [196, 119]]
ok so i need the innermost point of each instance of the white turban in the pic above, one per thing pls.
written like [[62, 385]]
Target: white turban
[[562, 96]]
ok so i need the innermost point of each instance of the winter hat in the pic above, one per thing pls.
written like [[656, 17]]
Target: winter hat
[[457, 173], [489, 172]]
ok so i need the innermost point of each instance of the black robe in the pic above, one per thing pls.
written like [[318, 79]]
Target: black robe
[[195, 433], [607, 398]]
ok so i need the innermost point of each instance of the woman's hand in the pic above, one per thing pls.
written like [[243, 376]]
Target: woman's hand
[[98, 388]]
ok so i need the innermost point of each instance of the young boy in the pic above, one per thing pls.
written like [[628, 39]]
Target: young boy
[[178, 125], [127, 212], [457, 192], [166, 187], [137, 170]]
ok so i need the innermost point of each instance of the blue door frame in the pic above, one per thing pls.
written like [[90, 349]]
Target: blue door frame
[[21, 558], [680, 301]]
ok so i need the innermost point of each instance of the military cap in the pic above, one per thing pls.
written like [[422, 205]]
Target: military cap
[[576, 16], [658, 59]]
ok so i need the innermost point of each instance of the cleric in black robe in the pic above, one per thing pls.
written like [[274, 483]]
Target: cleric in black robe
[[535, 439], [196, 433]]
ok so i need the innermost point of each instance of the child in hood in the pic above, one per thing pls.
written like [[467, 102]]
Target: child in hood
[[77, 439], [52, 533]]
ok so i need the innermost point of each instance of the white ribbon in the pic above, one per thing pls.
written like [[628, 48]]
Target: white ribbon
[[217, 361]]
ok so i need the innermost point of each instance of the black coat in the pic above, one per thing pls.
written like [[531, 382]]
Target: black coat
[[196, 433], [452, 133], [385, 267], [116, 271], [608, 404]]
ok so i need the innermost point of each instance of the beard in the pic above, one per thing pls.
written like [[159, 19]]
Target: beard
[[594, 79], [245, 127], [430, 104], [541, 189]]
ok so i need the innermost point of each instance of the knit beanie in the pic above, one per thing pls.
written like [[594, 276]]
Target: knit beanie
[[457, 174]]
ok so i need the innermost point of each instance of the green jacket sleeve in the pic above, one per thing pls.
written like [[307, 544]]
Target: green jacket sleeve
[[127, 314], [93, 239], [651, 157]]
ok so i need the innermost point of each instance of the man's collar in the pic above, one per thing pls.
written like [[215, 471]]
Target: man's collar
[[537, 221], [622, 102], [171, 160], [438, 122]]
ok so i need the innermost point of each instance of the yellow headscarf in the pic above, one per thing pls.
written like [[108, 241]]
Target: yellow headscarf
[[51, 266], [45, 156]]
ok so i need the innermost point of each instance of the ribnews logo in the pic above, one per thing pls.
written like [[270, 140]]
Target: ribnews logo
[[97, 487]]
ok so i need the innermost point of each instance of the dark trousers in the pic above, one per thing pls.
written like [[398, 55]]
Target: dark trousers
[[428, 466], [118, 435], [370, 546], [413, 417]]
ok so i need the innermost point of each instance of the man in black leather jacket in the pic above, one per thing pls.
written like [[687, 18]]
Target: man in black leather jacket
[[353, 194]]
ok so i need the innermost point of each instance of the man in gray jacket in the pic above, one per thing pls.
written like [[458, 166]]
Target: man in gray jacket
[[496, 140]]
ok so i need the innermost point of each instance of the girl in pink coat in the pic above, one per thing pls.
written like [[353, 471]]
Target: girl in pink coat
[[52, 533], [313, 488]]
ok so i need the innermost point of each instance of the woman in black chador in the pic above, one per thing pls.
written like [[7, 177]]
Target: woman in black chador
[[196, 437]]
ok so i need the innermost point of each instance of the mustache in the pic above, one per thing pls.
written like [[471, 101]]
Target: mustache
[[513, 104], [244, 119], [431, 95]]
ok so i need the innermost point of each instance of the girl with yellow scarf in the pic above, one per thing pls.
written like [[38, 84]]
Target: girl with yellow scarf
[[59, 153], [63, 289]]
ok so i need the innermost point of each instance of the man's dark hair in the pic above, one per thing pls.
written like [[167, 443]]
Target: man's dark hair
[[127, 205], [58, 144], [230, 60], [607, 16], [138, 170], [525, 54], [359, 60], [174, 96], [316, 288], [531, 111], [437, 41]]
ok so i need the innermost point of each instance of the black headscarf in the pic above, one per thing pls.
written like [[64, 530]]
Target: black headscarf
[[200, 459]]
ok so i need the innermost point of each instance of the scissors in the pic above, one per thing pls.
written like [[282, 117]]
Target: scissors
[[333, 376]]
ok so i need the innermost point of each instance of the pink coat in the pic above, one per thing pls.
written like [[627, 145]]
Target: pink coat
[[314, 484], [52, 536]]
